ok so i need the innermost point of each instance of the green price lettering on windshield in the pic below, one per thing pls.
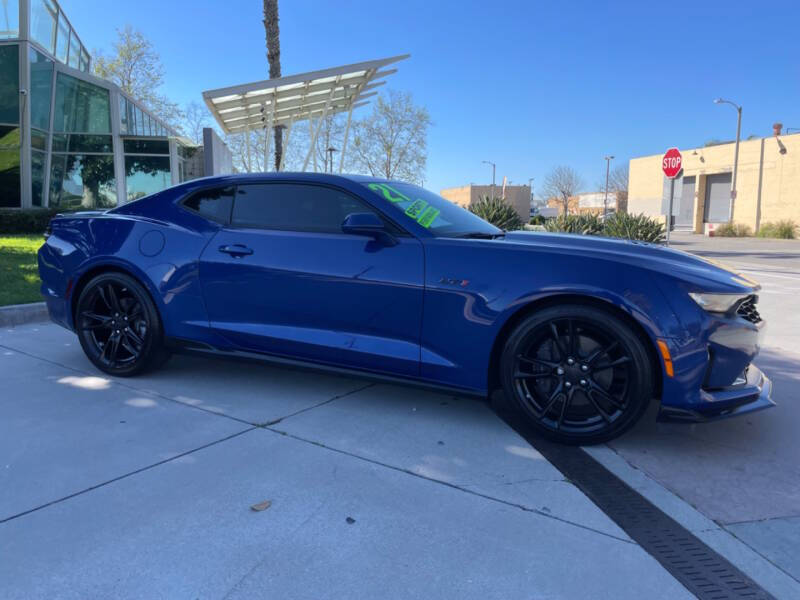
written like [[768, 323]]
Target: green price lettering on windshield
[[427, 217], [416, 209], [388, 192]]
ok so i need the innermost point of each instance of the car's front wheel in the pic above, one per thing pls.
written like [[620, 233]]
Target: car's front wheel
[[118, 326], [577, 374]]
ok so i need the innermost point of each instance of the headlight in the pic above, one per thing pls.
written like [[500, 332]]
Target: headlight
[[717, 303]]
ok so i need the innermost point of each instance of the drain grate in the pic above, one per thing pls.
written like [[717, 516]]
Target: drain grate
[[706, 574]]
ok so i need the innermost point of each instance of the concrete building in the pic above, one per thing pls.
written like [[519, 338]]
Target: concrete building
[[69, 139], [768, 184], [518, 196]]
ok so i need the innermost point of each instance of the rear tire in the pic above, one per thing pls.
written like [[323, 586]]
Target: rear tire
[[118, 326], [577, 374]]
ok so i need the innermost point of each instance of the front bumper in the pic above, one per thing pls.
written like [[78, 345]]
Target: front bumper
[[752, 395]]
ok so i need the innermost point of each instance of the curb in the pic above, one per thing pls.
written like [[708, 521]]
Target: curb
[[20, 314], [751, 563]]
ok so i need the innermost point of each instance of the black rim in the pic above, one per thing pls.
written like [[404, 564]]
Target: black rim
[[113, 321], [573, 376]]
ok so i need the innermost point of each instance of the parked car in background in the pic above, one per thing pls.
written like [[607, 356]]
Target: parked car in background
[[389, 280]]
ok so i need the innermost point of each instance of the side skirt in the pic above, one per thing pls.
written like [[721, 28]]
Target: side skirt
[[199, 348]]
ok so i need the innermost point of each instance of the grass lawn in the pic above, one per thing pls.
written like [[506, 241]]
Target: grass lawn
[[19, 273]]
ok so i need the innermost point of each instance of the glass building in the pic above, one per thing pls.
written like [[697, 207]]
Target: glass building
[[69, 139]]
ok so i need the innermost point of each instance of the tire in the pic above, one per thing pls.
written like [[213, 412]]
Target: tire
[[577, 374], [119, 327]]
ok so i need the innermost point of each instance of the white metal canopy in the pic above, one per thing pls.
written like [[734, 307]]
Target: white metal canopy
[[308, 96]]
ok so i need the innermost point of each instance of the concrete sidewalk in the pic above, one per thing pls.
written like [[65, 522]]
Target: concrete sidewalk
[[142, 488]]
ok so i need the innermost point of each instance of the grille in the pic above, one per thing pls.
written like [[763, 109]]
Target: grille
[[747, 310]]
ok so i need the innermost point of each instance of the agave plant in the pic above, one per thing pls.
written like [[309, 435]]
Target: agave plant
[[634, 227], [586, 224], [498, 212]]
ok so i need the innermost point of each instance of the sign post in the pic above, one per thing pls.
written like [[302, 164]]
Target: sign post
[[671, 164]]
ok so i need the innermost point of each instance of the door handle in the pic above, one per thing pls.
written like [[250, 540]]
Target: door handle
[[236, 250]]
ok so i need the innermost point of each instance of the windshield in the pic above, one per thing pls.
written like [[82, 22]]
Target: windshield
[[441, 217]]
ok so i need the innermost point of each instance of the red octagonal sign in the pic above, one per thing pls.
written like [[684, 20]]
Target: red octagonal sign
[[672, 163]]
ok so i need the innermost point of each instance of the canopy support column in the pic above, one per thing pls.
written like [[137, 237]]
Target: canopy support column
[[268, 136], [319, 126], [346, 134], [286, 143], [247, 143]]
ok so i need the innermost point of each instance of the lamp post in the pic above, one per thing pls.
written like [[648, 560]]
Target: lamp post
[[608, 158], [735, 151], [330, 150], [494, 167]]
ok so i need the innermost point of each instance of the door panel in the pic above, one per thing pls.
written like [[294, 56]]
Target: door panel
[[718, 198], [685, 216], [322, 296]]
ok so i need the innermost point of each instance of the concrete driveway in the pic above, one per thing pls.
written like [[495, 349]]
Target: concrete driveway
[[142, 488]]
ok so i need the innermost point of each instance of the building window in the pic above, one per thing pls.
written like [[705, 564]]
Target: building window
[[74, 50], [81, 106], [123, 114], [41, 88], [37, 176], [9, 84], [62, 40], [139, 146], [9, 167], [145, 175], [82, 181], [9, 19], [44, 20]]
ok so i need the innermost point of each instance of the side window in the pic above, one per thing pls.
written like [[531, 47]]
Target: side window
[[294, 207], [213, 204]]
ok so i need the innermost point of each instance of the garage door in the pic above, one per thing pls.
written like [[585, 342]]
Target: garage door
[[718, 198], [685, 217]]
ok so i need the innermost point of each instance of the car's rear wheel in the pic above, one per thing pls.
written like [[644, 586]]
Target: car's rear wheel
[[577, 374], [118, 326]]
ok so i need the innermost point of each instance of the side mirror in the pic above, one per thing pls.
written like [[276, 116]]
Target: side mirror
[[363, 223], [368, 224]]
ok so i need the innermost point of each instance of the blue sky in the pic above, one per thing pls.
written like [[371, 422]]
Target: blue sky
[[528, 85]]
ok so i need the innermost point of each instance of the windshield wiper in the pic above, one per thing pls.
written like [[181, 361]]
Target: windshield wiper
[[480, 235]]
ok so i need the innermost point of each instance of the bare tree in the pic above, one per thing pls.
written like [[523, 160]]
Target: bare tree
[[618, 183], [562, 183], [136, 68], [392, 141], [272, 32], [195, 118]]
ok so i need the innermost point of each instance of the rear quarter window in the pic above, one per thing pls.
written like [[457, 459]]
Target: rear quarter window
[[213, 204]]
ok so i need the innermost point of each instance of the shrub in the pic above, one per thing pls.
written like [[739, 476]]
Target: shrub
[[785, 230], [537, 220], [586, 224], [634, 227], [733, 230], [27, 221], [498, 212]]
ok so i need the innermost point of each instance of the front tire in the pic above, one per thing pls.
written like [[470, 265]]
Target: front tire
[[577, 374], [118, 326]]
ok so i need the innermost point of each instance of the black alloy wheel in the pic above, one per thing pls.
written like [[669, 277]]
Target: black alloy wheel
[[578, 374], [118, 326]]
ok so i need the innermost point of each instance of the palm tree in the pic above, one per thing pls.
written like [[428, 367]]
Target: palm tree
[[274, 59]]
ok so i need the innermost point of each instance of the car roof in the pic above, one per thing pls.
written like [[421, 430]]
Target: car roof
[[290, 176]]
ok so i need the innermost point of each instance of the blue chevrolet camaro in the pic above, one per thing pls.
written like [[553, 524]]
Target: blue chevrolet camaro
[[387, 279]]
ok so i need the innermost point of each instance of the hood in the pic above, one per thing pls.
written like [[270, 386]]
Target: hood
[[701, 273]]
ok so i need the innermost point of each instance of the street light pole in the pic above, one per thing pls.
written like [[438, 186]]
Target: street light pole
[[530, 185], [605, 201], [494, 167], [735, 151]]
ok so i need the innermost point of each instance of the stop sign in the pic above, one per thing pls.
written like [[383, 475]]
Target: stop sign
[[672, 163]]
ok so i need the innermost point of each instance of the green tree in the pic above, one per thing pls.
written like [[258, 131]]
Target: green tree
[[273, 35], [136, 68], [392, 141]]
